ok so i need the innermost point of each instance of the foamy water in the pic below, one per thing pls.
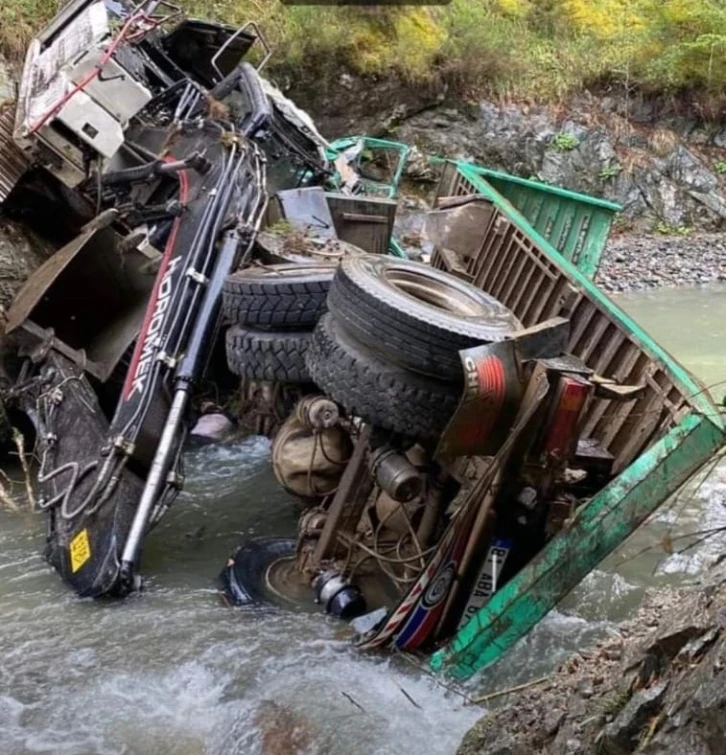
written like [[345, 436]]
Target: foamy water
[[174, 671]]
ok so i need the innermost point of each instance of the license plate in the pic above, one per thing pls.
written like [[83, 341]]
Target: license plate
[[488, 579]]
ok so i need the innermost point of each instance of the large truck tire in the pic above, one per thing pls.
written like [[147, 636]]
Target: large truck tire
[[262, 355], [415, 315], [278, 297], [243, 579], [376, 390]]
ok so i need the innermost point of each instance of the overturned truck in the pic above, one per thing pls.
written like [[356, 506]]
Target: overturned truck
[[158, 144], [468, 438], [486, 430]]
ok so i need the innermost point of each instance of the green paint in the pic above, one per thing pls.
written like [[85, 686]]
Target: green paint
[[494, 175], [611, 516], [600, 526], [561, 206], [396, 249], [549, 209], [370, 145], [688, 384]]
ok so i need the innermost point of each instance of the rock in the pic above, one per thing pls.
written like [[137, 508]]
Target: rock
[[632, 262], [585, 688], [624, 733], [346, 80], [553, 721], [666, 697], [652, 172], [21, 252], [418, 168], [283, 731], [720, 139]]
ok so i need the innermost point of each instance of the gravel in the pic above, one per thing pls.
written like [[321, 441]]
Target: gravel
[[632, 263]]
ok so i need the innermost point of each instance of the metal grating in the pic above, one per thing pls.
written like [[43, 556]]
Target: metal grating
[[512, 267], [13, 163]]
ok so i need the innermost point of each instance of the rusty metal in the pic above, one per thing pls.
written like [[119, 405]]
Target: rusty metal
[[519, 270], [488, 406], [434, 507], [92, 298], [395, 474], [357, 220], [353, 491], [42, 279]]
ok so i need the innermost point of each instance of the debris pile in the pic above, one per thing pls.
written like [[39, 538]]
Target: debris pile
[[658, 688]]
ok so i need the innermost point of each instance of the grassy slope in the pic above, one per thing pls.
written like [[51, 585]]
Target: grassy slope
[[543, 49]]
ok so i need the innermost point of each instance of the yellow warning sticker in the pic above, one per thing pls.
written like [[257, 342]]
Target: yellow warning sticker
[[80, 550]]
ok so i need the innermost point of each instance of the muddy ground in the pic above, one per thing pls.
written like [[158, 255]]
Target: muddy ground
[[657, 687]]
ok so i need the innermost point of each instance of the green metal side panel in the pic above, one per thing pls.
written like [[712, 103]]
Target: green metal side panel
[[577, 225], [599, 527], [692, 388], [369, 143]]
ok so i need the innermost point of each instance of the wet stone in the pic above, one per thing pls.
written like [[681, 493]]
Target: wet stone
[[585, 689], [553, 721], [624, 731]]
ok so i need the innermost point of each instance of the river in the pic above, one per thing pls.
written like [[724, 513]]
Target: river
[[173, 671]]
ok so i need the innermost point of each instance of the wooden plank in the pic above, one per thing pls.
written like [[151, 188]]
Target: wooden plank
[[545, 297], [544, 340], [509, 259], [622, 413], [519, 261], [623, 373], [581, 319], [348, 497], [633, 435], [534, 285], [451, 262], [494, 258], [597, 408], [524, 287], [597, 331]]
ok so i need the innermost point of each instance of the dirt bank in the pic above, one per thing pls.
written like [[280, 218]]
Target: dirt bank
[[658, 688]]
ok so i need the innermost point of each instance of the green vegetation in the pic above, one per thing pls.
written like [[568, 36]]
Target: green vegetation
[[565, 142], [720, 167], [611, 171], [666, 229], [540, 49]]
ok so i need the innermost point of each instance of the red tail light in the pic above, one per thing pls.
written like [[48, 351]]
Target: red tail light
[[570, 397]]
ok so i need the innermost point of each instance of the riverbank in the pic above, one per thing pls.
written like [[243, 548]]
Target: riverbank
[[657, 686], [498, 48], [634, 262]]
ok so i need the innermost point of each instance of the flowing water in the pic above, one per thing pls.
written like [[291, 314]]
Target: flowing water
[[174, 671]]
